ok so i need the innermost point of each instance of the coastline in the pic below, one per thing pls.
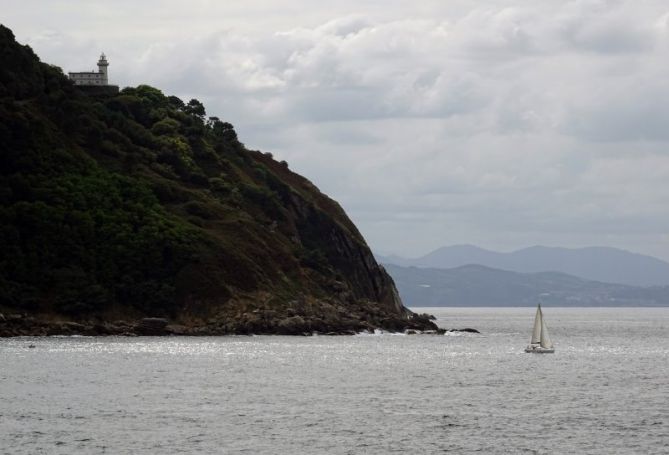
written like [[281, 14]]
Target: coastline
[[15, 325]]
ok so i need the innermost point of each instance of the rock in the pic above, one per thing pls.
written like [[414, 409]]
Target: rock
[[317, 325], [151, 326], [118, 327], [306, 317], [293, 325], [100, 329], [468, 330], [338, 286], [201, 331], [176, 329], [60, 328], [73, 326], [423, 320], [394, 325], [410, 332]]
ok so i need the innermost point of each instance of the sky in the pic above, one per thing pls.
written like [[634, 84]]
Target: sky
[[503, 124]]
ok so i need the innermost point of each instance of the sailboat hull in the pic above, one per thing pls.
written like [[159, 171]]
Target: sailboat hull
[[539, 350]]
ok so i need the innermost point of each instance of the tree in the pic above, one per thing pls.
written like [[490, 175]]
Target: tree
[[222, 130], [194, 107], [175, 102]]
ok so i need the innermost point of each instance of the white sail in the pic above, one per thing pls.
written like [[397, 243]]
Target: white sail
[[541, 342], [536, 332], [545, 339]]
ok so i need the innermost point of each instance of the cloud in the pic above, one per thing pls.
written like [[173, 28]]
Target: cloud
[[501, 123]]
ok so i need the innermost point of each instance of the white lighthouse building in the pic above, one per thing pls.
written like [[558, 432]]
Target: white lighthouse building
[[92, 78]]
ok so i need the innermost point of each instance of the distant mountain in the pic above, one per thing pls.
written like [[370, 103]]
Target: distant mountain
[[476, 285], [605, 264]]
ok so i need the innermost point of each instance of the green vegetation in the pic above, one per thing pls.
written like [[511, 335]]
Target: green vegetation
[[139, 203]]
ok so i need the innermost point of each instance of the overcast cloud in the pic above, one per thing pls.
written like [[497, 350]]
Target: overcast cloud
[[503, 123]]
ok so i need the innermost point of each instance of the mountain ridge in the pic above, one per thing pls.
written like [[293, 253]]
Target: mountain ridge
[[595, 263], [477, 285]]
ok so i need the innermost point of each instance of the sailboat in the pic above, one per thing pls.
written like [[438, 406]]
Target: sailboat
[[541, 342]]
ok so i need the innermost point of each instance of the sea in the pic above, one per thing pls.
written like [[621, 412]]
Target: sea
[[605, 390]]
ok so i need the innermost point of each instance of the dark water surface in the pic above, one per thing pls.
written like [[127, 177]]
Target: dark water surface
[[604, 391]]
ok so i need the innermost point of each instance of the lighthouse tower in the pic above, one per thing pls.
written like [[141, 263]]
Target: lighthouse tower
[[95, 82], [102, 68]]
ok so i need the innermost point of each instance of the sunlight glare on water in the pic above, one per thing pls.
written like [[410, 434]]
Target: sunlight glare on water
[[603, 391]]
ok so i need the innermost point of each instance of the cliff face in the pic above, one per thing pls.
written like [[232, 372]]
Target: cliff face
[[129, 205]]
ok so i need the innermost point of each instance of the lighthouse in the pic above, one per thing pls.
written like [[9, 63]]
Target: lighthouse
[[102, 68], [93, 78], [95, 82]]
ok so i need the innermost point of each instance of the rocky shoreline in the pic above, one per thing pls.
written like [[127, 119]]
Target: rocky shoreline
[[13, 325]]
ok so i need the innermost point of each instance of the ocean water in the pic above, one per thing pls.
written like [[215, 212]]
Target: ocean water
[[604, 391]]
